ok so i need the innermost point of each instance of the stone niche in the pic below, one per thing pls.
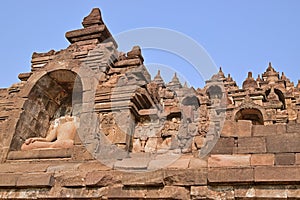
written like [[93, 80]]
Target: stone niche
[[55, 94], [254, 115]]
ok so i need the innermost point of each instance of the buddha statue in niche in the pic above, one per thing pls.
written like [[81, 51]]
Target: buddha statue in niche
[[61, 134]]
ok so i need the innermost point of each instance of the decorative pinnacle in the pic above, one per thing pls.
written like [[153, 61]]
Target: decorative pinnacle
[[175, 78], [93, 18], [249, 74], [158, 79], [270, 68], [220, 73], [258, 78], [185, 85]]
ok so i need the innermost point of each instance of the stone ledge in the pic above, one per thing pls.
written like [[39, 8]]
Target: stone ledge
[[132, 164], [167, 192], [285, 159], [103, 178], [23, 167], [211, 192], [251, 145], [128, 62], [284, 143], [262, 159], [35, 180], [224, 146], [71, 179], [235, 161], [8, 180], [230, 175], [186, 177], [264, 130], [277, 174], [40, 154], [154, 178]]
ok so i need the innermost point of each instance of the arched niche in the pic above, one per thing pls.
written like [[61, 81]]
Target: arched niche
[[191, 101], [280, 96], [55, 94], [251, 114], [214, 92], [190, 104]]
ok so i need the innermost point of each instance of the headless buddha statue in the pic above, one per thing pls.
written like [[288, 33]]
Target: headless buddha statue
[[60, 135]]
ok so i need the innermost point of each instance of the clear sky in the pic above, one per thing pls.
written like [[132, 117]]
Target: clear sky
[[239, 35]]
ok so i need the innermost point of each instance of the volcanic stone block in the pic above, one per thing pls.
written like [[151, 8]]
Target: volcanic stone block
[[297, 159], [124, 193], [280, 128], [24, 76], [152, 178], [293, 193], [262, 159], [22, 168], [292, 128], [181, 163], [167, 192], [132, 164], [102, 178], [199, 192], [264, 130], [284, 143], [224, 146], [129, 62], [185, 177], [197, 163], [271, 192], [71, 179], [80, 153], [229, 161], [242, 128], [276, 174], [230, 175], [92, 166], [94, 18], [40, 154], [284, 159], [251, 145], [228, 129], [62, 167], [215, 192], [35, 180], [8, 180]]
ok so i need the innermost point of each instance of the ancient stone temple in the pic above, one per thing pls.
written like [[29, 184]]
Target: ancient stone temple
[[89, 122]]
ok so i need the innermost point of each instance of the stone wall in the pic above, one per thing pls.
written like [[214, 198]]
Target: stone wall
[[245, 164]]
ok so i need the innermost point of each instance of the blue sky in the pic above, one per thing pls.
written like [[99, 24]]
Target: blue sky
[[240, 36]]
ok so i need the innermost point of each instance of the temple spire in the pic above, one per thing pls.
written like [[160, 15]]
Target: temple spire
[[283, 77], [185, 85], [221, 73], [158, 79], [249, 83], [258, 78], [175, 83], [270, 68]]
